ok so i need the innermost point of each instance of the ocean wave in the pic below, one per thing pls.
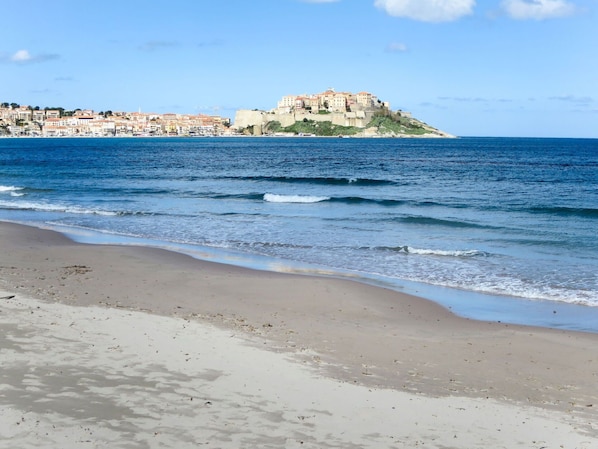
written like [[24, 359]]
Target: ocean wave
[[10, 189], [42, 207], [439, 222], [510, 286], [584, 212], [363, 200], [232, 196], [274, 198], [436, 252], [266, 245], [130, 191], [303, 198], [518, 288], [315, 180], [21, 191]]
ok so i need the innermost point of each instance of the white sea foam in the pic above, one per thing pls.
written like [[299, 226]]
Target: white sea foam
[[466, 275], [9, 189], [533, 292], [273, 198], [25, 205], [543, 293], [439, 252]]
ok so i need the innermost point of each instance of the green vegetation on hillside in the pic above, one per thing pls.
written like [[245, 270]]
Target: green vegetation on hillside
[[385, 122], [390, 123], [324, 129], [273, 127]]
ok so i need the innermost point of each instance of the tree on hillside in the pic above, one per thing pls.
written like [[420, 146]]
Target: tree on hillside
[[55, 109]]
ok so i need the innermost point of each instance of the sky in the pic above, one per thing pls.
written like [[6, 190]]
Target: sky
[[524, 68]]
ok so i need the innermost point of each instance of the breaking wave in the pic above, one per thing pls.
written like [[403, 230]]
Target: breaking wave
[[273, 198], [315, 180], [41, 207], [12, 190], [437, 252]]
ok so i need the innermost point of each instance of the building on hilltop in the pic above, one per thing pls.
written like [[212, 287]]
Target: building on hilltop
[[330, 101], [339, 108]]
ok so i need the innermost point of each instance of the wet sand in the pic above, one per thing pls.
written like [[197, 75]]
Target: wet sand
[[139, 347]]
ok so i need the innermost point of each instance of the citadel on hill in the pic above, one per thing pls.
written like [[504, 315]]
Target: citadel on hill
[[332, 113], [329, 113], [340, 108]]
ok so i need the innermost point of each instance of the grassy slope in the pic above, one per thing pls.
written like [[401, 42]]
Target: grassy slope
[[392, 124]]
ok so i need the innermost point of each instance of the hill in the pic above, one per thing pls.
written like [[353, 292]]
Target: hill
[[293, 118]]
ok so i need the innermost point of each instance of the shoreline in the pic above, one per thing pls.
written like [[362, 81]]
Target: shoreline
[[467, 304], [346, 332]]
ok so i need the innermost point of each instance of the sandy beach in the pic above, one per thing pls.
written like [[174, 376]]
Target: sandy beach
[[136, 347]]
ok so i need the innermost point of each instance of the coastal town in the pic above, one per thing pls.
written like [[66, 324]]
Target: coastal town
[[17, 120], [326, 113]]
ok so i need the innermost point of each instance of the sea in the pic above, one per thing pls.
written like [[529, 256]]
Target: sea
[[495, 229]]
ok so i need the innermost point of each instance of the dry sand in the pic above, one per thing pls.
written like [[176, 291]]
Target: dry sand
[[175, 352]]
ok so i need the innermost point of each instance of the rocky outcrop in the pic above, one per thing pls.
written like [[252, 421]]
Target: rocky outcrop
[[359, 123]]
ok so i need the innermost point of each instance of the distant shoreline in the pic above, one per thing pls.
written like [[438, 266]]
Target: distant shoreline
[[237, 136]]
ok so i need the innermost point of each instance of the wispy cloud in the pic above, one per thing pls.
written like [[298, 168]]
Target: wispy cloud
[[215, 109], [476, 100], [573, 99], [429, 104], [25, 57], [64, 78], [538, 9], [396, 47], [427, 10], [157, 45], [465, 99]]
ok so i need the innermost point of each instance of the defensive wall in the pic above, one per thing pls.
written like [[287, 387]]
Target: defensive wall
[[258, 119]]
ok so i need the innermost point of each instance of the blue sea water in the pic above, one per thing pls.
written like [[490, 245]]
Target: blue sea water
[[494, 228]]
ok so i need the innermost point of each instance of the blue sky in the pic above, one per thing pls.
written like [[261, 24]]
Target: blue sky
[[469, 67]]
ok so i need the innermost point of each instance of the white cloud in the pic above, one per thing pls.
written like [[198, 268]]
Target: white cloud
[[538, 9], [24, 57], [21, 56], [427, 10]]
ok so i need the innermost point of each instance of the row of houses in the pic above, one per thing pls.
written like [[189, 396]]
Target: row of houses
[[24, 121]]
